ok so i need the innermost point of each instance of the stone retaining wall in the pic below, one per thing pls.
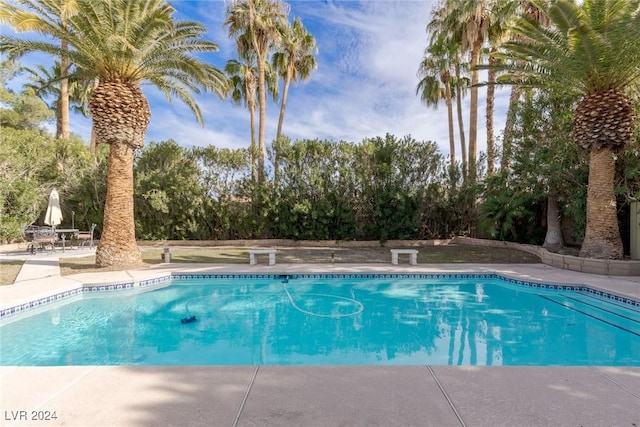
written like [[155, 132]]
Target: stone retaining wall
[[294, 243], [566, 262]]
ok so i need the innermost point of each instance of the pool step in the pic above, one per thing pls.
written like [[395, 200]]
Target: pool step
[[614, 313]]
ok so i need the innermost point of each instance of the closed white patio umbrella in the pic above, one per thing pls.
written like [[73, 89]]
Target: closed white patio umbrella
[[54, 213]]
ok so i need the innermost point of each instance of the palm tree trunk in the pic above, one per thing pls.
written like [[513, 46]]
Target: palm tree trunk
[[473, 113], [553, 239], [254, 160], [118, 241], [62, 127], [452, 141], [602, 237], [93, 143], [120, 116], [491, 94], [262, 100], [507, 140], [283, 106], [463, 143], [59, 116]]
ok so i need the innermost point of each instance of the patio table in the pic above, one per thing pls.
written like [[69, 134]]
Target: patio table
[[62, 233]]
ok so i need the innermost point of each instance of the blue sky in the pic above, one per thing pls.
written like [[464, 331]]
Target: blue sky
[[364, 86]]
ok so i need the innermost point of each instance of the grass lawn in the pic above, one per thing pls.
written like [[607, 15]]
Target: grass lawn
[[444, 254], [9, 271]]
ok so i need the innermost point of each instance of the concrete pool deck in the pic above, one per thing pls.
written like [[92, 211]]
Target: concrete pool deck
[[315, 395]]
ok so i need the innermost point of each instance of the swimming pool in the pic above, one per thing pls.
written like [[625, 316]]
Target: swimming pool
[[303, 319]]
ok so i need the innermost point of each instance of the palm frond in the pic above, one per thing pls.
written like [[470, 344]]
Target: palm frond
[[134, 41], [589, 47], [15, 47]]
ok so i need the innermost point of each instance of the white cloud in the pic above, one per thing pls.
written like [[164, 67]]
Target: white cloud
[[372, 80], [369, 53]]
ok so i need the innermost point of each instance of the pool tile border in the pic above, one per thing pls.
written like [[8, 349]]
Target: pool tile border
[[93, 288], [130, 284], [88, 288], [37, 303]]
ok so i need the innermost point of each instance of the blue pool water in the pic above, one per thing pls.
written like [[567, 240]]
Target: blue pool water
[[327, 321]]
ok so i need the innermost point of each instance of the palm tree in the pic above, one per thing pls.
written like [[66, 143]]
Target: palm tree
[[243, 79], [530, 9], [502, 16], [590, 50], [51, 13], [438, 30], [48, 82], [489, 110], [45, 82], [257, 25], [467, 22], [461, 84], [80, 86], [123, 43], [68, 9], [434, 72], [294, 60]]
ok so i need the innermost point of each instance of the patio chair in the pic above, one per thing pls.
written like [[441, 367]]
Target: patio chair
[[28, 234], [43, 238], [86, 237]]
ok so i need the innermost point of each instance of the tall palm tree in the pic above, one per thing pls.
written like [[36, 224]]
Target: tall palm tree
[[80, 85], [591, 50], [530, 9], [460, 85], [258, 25], [47, 82], [68, 9], [243, 80], [507, 136], [439, 32], [468, 21], [124, 43], [434, 73], [489, 112], [51, 13], [294, 60], [502, 15]]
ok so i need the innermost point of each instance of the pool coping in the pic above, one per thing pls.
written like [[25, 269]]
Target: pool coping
[[322, 396]]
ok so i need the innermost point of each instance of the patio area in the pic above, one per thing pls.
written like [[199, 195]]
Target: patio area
[[323, 396]]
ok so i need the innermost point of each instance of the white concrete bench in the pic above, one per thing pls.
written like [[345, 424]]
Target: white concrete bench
[[254, 252], [413, 255]]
